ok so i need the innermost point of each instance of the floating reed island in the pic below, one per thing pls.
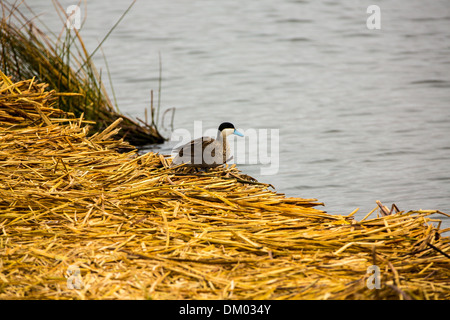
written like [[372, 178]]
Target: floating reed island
[[81, 220]]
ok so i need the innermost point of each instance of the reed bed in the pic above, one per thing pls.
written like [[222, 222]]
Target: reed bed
[[137, 229], [63, 62]]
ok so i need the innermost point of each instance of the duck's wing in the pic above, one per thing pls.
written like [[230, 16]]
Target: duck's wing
[[192, 152], [196, 144]]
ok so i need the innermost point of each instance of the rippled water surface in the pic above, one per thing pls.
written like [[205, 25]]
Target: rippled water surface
[[363, 114]]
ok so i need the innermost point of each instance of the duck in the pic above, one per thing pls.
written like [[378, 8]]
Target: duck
[[207, 152]]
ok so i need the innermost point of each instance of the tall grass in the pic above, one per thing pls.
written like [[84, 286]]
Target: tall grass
[[62, 61]]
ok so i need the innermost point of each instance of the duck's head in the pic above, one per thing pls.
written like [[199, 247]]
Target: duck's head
[[227, 128]]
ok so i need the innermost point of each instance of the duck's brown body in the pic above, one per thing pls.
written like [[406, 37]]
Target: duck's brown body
[[206, 152]]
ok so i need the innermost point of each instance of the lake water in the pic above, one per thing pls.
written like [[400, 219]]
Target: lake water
[[363, 115]]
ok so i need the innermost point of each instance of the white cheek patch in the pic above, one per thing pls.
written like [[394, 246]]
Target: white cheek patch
[[227, 131]]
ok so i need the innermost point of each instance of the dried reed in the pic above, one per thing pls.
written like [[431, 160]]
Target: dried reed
[[66, 66], [138, 229]]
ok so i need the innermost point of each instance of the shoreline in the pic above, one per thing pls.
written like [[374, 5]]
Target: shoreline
[[75, 211]]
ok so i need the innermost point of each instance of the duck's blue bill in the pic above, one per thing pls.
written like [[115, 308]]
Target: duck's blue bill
[[238, 133]]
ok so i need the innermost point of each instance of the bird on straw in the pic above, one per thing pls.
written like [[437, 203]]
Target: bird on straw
[[207, 152]]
